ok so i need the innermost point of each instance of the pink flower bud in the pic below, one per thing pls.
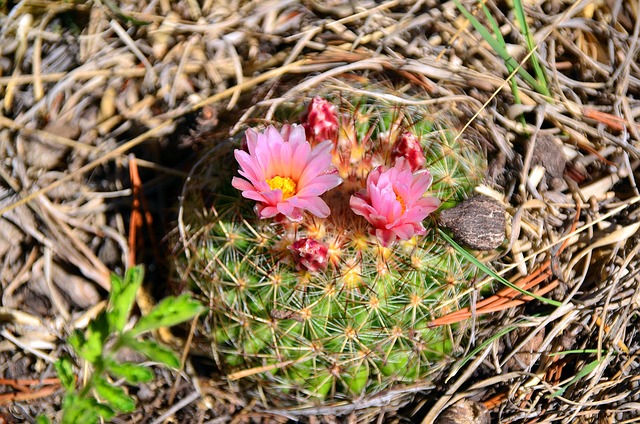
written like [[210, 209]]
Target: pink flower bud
[[309, 254], [321, 121], [408, 147]]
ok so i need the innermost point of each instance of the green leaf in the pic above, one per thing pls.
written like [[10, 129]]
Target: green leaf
[[90, 346], [114, 396], [122, 296], [491, 273], [76, 340], [494, 26], [42, 419], [131, 372], [65, 373], [78, 410], [171, 311], [104, 411], [153, 351], [116, 285]]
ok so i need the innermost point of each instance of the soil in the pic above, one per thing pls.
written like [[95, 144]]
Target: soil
[[92, 91]]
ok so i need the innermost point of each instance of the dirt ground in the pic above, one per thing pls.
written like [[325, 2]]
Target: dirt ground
[[107, 105]]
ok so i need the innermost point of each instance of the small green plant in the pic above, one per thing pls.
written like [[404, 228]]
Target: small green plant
[[97, 397]]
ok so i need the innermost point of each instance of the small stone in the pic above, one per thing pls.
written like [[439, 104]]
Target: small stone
[[528, 353], [477, 222], [464, 412], [146, 393], [548, 153], [42, 156]]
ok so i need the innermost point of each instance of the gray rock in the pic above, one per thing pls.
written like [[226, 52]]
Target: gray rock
[[477, 222]]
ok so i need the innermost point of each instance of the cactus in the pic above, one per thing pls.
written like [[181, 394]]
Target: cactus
[[324, 306]]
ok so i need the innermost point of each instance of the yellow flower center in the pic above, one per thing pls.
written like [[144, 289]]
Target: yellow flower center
[[285, 184]]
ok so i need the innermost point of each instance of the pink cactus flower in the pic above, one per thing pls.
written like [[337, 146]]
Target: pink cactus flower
[[284, 174], [321, 121], [407, 146], [309, 254], [393, 202]]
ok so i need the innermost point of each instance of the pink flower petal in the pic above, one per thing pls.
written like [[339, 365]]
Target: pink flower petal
[[321, 121], [266, 211], [408, 148], [316, 165], [309, 254], [242, 185], [378, 221], [320, 185], [272, 197], [404, 231], [252, 140], [429, 204], [297, 135], [386, 237], [253, 195], [285, 132], [251, 169], [287, 209], [421, 183], [360, 205], [315, 205], [284, 160], [300, 156]]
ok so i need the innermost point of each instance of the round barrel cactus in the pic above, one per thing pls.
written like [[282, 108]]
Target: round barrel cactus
[[313, 239]]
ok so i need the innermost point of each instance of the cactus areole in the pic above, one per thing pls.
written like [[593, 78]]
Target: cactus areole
[[317, 251]]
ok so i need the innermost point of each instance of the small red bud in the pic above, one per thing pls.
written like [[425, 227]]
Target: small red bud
[[321, 121], [408, 147], [309, 254]]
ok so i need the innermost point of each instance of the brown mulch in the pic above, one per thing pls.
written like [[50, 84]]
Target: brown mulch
[[87, 87]]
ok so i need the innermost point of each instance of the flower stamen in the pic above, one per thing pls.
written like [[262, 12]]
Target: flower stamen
[[284, 184], [401, 201]]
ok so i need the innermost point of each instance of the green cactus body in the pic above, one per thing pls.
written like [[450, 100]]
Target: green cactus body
[[358, 326]]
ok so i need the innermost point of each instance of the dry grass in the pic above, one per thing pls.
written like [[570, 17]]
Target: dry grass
[[85, 85]]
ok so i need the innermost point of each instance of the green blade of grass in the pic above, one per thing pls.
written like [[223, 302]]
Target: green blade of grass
[[540, 74], [494, 26], [484, 344], [583, 373], [576, 351], [499, 49], [500, 40], [491, 273], [120, 14]]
